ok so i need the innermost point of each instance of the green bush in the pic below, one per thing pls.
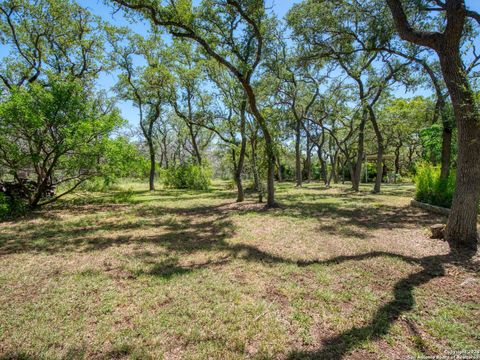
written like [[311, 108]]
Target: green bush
[[187, 176], [4, 206], [10, 207], [431, 189]]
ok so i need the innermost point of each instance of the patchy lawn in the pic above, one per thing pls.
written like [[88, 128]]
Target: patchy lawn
[[190, 275]]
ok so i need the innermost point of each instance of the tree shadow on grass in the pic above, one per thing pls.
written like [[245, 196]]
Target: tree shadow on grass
[[338, 346], [362, 215], [207, 228]]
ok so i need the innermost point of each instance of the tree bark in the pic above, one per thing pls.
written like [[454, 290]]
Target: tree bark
[[397, 163], [308, 161], [461, 229], [447, 136], [253, 146], [151, 149], [196, 151], [380, 149], [279, 169], [323, 170], [241, 157], [357, 168], [298, 154], [269, 142]]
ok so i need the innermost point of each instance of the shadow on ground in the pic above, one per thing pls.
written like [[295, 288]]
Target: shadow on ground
[[209, 227]]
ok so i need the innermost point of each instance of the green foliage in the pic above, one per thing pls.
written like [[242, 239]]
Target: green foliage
[[187, 176], [431, 189], [50, 36], [4, 206], [123, 160], [59, 133], [10, 207], [431, 139]]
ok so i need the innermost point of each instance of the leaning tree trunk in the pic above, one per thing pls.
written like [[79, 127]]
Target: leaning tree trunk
[[269, 142], [380, 149], [461, 231], [196, 150]]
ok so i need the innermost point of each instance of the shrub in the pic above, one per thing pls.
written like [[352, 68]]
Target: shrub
[[4, 206], [11, 206], [431, 189], [187, 176]]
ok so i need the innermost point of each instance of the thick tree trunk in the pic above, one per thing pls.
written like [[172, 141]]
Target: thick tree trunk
[[240, 191], [461, 231], [298, 155]]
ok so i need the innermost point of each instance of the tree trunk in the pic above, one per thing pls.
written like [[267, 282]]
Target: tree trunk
[[461, 231], [357, 169], [308, 162], [151, 149], [333, 171], [269, 142], [253, 144], [196, 150], [298, 155], [270, 173], [323, 168], [241, 157], [378, 178], [380, 149], [397, 163], [279, 169]]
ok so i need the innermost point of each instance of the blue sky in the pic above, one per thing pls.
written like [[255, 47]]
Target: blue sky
[[129, 112], [280, 7], [106, 81]]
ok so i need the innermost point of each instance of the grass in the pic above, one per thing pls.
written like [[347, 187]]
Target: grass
[[329, 274]]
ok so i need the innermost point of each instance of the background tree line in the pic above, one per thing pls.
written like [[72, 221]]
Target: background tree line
[[225, 87]]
